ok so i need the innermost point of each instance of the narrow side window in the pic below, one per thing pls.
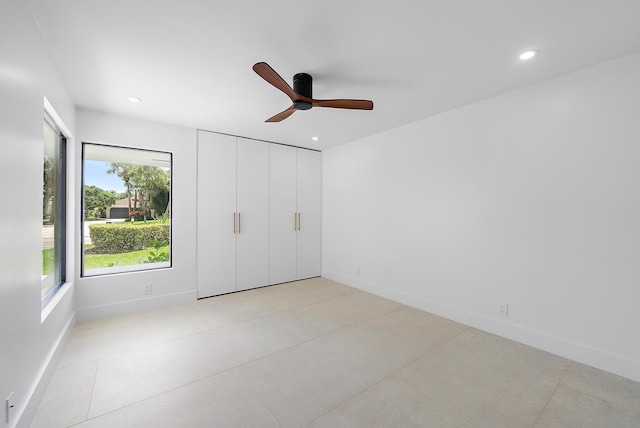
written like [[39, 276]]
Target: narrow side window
[[53, 210]]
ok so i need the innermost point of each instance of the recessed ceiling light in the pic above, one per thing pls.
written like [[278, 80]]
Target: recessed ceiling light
[[134, 99], [528, 54], [315, 138]]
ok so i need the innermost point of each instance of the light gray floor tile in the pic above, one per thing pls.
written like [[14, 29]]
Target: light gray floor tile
[[131, 332], [390, 403], [344, 311], [470, 377], [232, 308], [303, 382], [225, 400], [501, 353], [66, 401], [299, 294], [127, 319], [229, 309], [139, 374], [609, 387], [570, 408], [439, 325], [388, 338]]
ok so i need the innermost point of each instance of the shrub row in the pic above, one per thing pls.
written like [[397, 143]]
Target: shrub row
[[124, 237]]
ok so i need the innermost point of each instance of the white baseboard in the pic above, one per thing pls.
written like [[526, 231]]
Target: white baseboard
[[131, 306], [599, 358], [25, 414]]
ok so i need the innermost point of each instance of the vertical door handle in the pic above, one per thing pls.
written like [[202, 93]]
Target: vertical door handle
[[299, 224], [234, 223], [295, 221], [239, 224]]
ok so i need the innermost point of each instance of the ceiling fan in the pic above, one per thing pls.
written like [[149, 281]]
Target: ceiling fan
[[301, 94]]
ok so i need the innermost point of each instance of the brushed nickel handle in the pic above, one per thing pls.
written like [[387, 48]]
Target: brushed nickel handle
[[239, 224], [295, 221], [299, 222], [234, 223]]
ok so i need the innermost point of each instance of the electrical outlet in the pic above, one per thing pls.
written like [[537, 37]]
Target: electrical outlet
[[358, 272], [147, 289], [504, 310], [9, 407]]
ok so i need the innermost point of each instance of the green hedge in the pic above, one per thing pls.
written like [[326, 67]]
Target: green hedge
[[124, 237]]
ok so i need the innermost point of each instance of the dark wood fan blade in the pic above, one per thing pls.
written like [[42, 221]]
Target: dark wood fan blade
[[351, 104], [269, 74], [282, 115]]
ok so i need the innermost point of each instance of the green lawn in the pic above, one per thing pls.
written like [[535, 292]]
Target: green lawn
[[48, 262], [93, 261]]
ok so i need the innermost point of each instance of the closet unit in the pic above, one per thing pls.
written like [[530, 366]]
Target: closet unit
[[259, 208], [233, 214], [294, 213]]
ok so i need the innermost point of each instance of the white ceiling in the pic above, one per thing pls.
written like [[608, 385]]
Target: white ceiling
[[190, 60]]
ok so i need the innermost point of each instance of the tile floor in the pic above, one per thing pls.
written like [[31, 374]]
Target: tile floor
[[317, 353]]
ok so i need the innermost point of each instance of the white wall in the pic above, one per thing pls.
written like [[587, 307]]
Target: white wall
[[30, 340], [111, 295], [529, 199]]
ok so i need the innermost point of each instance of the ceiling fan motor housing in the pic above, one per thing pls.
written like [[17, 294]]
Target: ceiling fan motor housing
[[302, 85]]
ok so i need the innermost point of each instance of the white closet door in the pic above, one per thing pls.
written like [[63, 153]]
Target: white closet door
[[282, 212], [216, 208], [309, 198], [253, 212]]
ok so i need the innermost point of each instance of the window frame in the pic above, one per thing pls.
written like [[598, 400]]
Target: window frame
[[127, 268], [60, 216]]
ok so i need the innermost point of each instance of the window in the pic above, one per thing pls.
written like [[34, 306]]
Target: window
[[126, 209], [53, 210]]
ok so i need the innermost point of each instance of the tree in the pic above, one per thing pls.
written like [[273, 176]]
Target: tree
[[96, 200], [48, 188], [123, 170], [148, 179], [161, 194], [160, 200]]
